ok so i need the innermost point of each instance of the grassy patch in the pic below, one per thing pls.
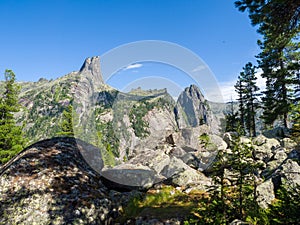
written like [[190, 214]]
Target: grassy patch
[[164, 203]]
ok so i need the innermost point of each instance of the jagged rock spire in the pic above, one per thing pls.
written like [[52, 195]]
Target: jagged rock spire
[[92, 67], [191, 109]]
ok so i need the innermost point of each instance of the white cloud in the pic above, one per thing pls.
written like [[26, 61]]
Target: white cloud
[[228, 91], [133, 66], [199, 68], [260, 82]]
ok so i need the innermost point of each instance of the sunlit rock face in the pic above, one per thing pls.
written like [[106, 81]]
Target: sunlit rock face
[[191, 108], [91, 68]]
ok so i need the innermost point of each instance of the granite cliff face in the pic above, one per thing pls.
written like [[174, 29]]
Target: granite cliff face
[[91, 66], [132, 121], [191, 108]]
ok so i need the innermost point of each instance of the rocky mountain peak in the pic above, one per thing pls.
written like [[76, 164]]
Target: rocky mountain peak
[[191, 109], [92, 66], [194, 93]]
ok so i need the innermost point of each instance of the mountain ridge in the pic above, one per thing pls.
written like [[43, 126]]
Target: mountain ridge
[[44, 101]]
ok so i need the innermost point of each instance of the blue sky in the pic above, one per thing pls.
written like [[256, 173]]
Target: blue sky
[[52, 38]]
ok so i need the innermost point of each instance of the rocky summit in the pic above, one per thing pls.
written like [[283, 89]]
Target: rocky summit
[[50, 183]]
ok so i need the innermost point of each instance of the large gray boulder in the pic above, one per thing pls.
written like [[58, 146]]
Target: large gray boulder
[[290, 173], [51, 183], [191, 177], [288, 143], [264, 147], [174, 167], [228, 138], [130, 177], [156, 160], [267, 142], [265, 193], [188, 138], [277, 159]]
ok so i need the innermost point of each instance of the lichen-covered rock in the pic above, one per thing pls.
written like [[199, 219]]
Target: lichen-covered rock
[[290, 173], [265, 193], [192, 177], [174, 167], [130, 177], [219, 142], [277, 159], [50, 183], [267, 142], [264, 147], [288, 143], [228, 137], [154, 159]]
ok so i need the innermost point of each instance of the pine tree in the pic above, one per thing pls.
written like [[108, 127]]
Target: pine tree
[[269, 104], [242, 166], [296, 123], [67, 122], [235, 194], [11, 136], [279, 69], [231, 119], [285, 209], [240, 89], [278, 23], [248, 103]]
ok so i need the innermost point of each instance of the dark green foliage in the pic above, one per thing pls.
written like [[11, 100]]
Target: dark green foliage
[[286, 207], [11, 136], [232, 120], [268, 105], [277, 16], [108, 137], [235, 194], [243, 166], [67, 122], [206, 142], [296, 123], [107, 153], [47, 101], [240, 89], [248, 103], [136, 116], [278, 23], [280, 74]]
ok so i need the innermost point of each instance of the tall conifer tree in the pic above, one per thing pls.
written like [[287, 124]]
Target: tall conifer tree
[[67, 122], [240, 89], [11, 137], [248, 103], [278, 23]]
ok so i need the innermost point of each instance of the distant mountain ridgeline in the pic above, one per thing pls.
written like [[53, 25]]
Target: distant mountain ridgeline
[[122, 122]]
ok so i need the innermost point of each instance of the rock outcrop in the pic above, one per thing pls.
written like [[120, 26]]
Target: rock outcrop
[[50, 183], [92, 66], [191, 110]]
